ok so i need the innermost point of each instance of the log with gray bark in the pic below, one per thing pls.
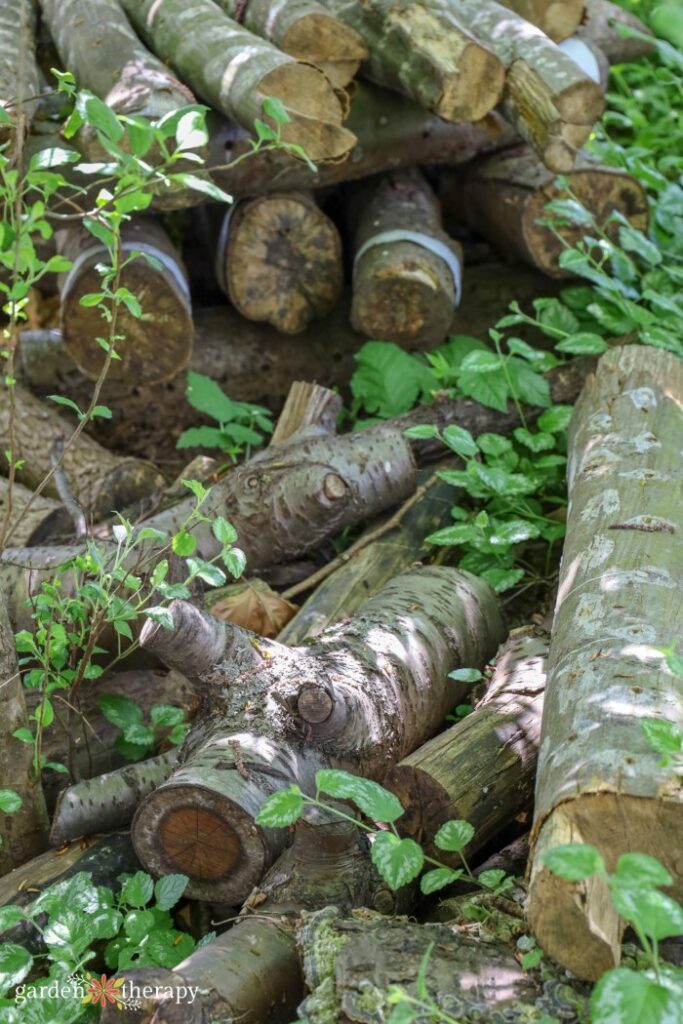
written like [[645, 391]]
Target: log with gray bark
[[483, 768], [19, 75], [504, 197], [44, 520], [619, 603], [235, 71], [407, 272], [155, 345], [363, 695]]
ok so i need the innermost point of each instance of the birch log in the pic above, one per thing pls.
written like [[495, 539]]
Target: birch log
[[619, 602], [304, 29], [504, 198], [236, 71], [23, 833], [363, 694], [45, 519], [407, 272], [19, 76], [425, 54], [557, 18]]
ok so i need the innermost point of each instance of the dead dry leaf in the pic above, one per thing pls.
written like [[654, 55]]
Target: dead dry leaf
[[254, 606]]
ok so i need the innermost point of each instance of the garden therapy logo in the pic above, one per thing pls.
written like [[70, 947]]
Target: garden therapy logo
[[105, 990]]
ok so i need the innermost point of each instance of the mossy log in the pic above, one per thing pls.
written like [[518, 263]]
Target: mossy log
[[45, 519], [19, 75], [279, 258], [407, 272], [601, 27], [390, 130], [427, 55], [504, 198], [157, 345], [619, 602], [362, 695], [306, 30], [99, 480], [483, 768], [23, 834], [235, 71], [550, 101]]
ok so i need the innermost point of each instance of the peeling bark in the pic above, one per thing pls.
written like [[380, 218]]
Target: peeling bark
[[619, 601], [19, 76], [361, 696]]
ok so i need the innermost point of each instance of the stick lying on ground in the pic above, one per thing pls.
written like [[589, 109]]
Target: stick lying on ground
[[619, 603]]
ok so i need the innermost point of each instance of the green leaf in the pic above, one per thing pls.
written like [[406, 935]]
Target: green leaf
[[529, 385], [422, 432], [235, 562], [169, 889], [460, 441], [9, 916], [166, 715], [482, 377], [121, 711], [534, 442], [201, 437], [439, 878], [223, 531], [191, 131], [398, 861], [161, 615], [103, 118], [137, 890], [159, 573], [23, 734], [204, 186], [574, 861], [15, 963], [10, 802], [274, 107], [513, 531], [102, 233], [466, 675], [184, 543], [664, 738], [371, 798], [122, 628], [655, 913], [388, 380], [60, 400], [583, 344], [623, 996], [137, 924], [168, 948], [454, 836], [674, 663], [494, 444], [556, 419], [205, 395], [461, 533], [211, 574], [554, 318], [639, 869], [492, 878], [281, 808]]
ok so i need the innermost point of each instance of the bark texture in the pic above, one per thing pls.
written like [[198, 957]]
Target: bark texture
[[557, 18], [427, 55], [236, 71], [619, 601], [601, 27], [304, 29], [407, 271], [483, 768], [364, 694], [504, 197], [23, 834], [45, 519], [158, 344], [19, 76], [280, 260]]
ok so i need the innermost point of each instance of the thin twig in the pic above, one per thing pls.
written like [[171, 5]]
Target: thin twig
[[64, 490]]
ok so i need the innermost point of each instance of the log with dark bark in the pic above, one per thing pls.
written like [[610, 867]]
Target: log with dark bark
[[155, 346], [557, 18], [619, 603], [23, 834], [361, 696], [236, 71], [44, 520], [279, 258], [483, 768], [601, 27], [99, 480], [407, 272], [504, 197], [550, 101], [427, 55], [19, 76], [390, 130], [304, 29]]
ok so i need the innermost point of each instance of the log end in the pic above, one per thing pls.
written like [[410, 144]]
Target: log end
[[474, 87], [331, 45], [129, 483], [427, 804], [562, 18]]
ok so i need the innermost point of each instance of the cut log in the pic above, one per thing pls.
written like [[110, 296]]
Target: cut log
[[23, 834], [559, 19], [97, 44], [155, 346], [109, 801], [504, 198], [236, 71], [547, 97], [307, 406], [619, 602], [100, 481], [279, 258], [19, 76], [483, 768], [601, 27], [390, 130], [425, 54], [359, 697], [44, 520], [407, 272], [304, 29]]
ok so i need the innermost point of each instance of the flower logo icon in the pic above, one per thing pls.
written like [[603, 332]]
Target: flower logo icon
[[104, 990]]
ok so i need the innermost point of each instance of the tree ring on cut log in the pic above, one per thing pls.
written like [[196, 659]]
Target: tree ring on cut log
[[199, 843], [315, 704]]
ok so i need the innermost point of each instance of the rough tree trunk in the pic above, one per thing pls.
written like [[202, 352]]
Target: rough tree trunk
[[407, 272], [549, 100], [44, 520], [280, 260], [390, 130], [557, 18], [361, 696], [619, 601], [157, 345], [99, 480], [19, 77], [482, 769], [304, 29], [504, 197], [236, 71], [23, 834], [600, 26]]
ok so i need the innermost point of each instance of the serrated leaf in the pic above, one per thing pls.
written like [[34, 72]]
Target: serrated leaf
[[169, 889], [137, 890], [639, 869], [461, 533], [10, 802], [184, 543], [583, 344], [371, 798], [120, 711], [235, 561], [281, 808], [574, 861], [454, 836], [556, 419], [656, 914], [15, 963], [161, 615], [398, 861], [513, 531], [437, 879], [539, 442], [623, 996], [421, 432], [388, 380], [663, 737], [223, 531], [460, 441], [166, 715], [207, 572]]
